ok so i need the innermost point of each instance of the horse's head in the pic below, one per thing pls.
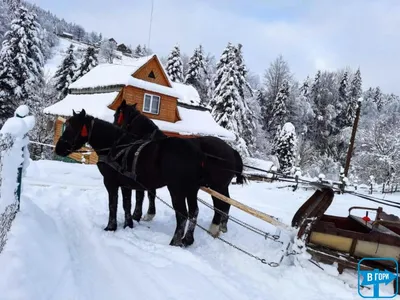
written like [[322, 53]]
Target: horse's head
[[125, 114], [75, 134]]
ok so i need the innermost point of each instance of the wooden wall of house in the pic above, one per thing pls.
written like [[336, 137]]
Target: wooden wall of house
[[152, 66], [132, 95], [90, 158]]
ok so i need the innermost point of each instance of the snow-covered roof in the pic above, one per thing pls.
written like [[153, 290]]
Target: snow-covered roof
[[187, 94], [105, 75], [193, 121], [94, 104], [109, 74]]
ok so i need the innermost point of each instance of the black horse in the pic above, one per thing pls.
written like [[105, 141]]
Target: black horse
[[173, 162], [221, 165]]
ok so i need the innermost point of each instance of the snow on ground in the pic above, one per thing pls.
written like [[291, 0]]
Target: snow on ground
[[57, 248]]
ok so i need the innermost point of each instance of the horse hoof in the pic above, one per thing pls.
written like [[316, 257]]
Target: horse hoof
[[128, 223], [223, 228], [214, 230], [137, 217], [148, 218], [111, 228], [188, 241], [176, 243]]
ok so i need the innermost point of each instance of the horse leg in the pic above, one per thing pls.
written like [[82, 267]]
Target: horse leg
[[225, 209], [216, 221], [112, 190], [127, 204], [179, 205], [151, 211], [193, 213], [137, 213]]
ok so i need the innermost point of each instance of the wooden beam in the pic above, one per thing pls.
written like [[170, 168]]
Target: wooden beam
[[256, 213]]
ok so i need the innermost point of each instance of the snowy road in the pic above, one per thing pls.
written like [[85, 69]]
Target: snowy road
[[57, 248]]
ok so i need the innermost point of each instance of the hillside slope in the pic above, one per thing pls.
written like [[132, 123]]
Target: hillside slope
[[59, 53]]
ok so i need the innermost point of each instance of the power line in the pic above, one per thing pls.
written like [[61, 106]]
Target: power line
[[151, 21]]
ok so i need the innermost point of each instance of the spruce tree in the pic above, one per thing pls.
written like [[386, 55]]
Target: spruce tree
[[279, 106], [355, 94], [138, 52], [261, 98], [196, 65], [285, 147], [174, 65], [89, 61], [378, 98], [21, 61], [229, 108], [65, 73], [305, 88], [242, 72], [342, 104]]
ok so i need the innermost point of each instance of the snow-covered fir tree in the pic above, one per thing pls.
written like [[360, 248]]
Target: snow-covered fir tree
[[242, 72], [229, 108], [207, 83], [355, 94], [279, 106], [138, 52], [285, 147], [66, 72], [174, 65], [88, 62], [196, 74], [22, 63], [342, 104], [378, 98], [196, 65], [277, 72]]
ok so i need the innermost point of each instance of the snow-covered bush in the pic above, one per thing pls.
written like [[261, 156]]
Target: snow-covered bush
[[14, 160]]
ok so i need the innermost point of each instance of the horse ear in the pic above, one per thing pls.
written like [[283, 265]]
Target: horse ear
[[123, 104], [134, 105], [73, 113], [82, 113]]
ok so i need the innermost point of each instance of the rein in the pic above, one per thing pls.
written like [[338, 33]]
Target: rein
[[88, 133]]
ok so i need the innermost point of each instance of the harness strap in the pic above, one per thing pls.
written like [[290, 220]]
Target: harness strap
[[135, 159]]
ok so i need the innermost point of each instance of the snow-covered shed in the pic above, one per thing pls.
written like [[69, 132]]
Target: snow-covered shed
[[174, 107]]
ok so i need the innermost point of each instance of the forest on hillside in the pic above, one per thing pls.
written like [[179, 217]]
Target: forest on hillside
[[305, 122]]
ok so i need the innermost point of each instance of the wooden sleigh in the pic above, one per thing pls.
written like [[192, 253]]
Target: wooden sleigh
[[346, 240], [334, 239]]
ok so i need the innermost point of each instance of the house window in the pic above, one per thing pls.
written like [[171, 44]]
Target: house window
[[151, 104]]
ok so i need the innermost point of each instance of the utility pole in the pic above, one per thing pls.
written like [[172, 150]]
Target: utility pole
[[353, 137]]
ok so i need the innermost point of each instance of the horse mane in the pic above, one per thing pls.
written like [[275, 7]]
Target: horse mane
[[109, 131], [147, 126]]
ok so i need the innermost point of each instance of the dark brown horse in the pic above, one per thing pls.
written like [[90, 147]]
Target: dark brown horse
[[221, 165], [173, 162]]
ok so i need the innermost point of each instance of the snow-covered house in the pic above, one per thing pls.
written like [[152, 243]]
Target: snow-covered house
[[174, 107]]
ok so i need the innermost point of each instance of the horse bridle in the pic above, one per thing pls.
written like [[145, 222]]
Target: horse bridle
[[127, 125], [83, 132]]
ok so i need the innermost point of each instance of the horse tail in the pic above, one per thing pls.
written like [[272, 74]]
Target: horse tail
[[240, 178]]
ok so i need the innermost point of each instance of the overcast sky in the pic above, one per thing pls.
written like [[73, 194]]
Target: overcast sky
[[310, 34]]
